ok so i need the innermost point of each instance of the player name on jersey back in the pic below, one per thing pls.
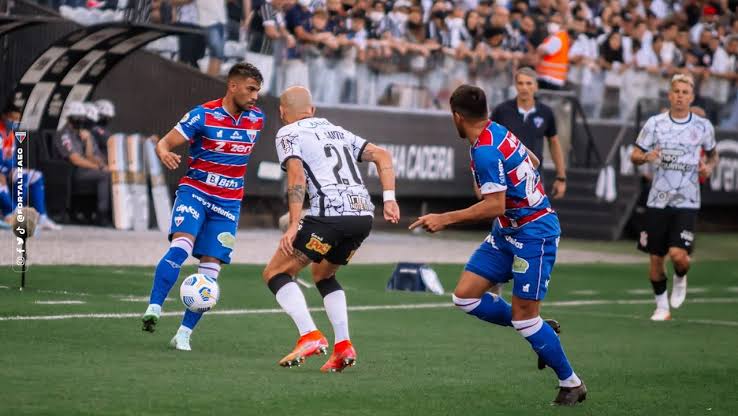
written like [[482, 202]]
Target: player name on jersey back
[[329, 155]]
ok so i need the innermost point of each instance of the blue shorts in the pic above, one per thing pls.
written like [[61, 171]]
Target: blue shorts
[[525, 259], [212, 222]]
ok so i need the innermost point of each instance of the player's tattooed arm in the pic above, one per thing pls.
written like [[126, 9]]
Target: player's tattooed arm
[[295, 189], [296, 193]]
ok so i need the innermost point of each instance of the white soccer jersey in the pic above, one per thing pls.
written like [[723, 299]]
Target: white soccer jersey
[[329, 154], [675, 180]]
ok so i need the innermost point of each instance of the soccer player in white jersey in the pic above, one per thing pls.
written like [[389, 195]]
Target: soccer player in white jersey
[[324, 155], [673, 142]]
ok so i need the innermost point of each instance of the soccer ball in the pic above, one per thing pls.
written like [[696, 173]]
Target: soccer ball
[[199, 293]]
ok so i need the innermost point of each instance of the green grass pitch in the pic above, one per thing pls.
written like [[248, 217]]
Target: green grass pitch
[[434, 361]]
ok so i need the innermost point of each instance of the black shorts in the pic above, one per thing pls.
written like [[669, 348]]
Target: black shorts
[[332, 238], [666, 228]]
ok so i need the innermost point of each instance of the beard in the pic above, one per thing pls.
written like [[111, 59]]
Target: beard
[[462, 135], [243, 106]]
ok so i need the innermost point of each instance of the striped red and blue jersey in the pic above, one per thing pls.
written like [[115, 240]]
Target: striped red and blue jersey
[[220, 148], [500, 162]]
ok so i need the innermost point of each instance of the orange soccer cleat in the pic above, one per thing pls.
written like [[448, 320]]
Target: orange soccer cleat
[[312, 343], [343, 356]]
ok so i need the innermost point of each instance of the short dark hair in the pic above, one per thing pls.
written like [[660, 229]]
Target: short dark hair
[[470, 102], [246, 70]]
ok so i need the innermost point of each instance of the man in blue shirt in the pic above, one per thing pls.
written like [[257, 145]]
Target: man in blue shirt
[[523, 242]]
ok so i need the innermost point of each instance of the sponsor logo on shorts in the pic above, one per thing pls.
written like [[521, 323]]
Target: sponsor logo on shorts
[[317, 245], [526, 287], [520, 265], [491, 240], [514, 242], [178, 220], [687, 236], [227, 240], [215, 208], [186, 209]]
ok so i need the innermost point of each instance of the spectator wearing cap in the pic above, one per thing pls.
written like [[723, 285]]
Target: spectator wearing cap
[[531, 121], [553, 53], [75, 144]]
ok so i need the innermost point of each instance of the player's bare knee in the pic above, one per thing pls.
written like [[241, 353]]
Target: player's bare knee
[[679, 257], [524, 309]]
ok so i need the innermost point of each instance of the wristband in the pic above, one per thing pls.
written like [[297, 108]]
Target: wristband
[[388, 195]]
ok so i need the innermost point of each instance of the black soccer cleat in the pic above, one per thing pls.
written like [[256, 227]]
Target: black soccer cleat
[[149, 323], [554, 324], [569, 396]]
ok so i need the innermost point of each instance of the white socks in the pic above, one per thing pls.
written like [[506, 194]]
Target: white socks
[[572, 381], [336, 309], [292, 301], [662, 301]]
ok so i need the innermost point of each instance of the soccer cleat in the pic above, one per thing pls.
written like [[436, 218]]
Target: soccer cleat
[[181, 341], [569, 396], [151, 317], [312, 343], [661, 315], [678, 292], [343, 356], [554, 324]]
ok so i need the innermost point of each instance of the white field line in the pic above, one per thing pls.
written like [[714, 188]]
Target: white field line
[[59, 302], [436, 305], [643, 318], [584, 292]]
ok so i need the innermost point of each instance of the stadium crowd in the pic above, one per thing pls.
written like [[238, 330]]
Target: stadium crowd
[[412, 53]]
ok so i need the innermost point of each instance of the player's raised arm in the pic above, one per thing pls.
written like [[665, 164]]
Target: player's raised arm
[[383, 160]]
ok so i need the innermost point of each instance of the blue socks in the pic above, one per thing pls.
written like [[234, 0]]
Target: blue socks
[[546, 344], [490, 308], [540, 335], [167, 271]]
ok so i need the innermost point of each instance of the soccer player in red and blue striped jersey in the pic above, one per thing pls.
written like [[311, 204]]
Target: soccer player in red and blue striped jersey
[[221, 135], [523, 241]]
